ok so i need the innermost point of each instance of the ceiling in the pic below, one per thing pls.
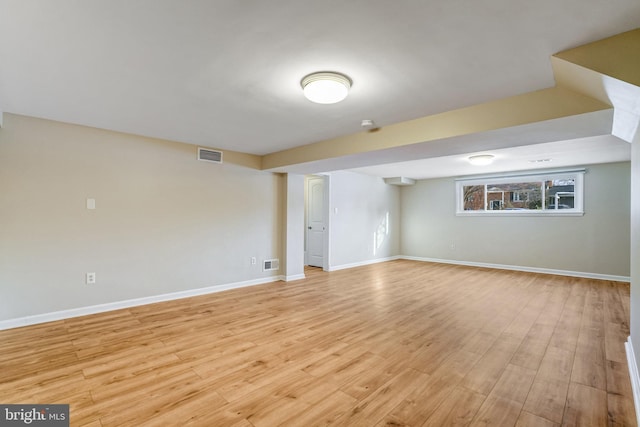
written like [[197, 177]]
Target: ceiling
[[226, 73], [581, 151]]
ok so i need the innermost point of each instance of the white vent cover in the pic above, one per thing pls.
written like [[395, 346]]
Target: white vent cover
[[208, 155], [271, 265]]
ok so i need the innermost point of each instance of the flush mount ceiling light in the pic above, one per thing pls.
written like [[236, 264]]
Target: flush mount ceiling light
[[481, 159], [326, 87]]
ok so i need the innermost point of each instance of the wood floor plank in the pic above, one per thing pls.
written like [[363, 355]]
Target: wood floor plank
[[25, 391], [565, 335], [621, 411], [374, 407], [325, 412], [586, 406], [395, 343], [514, 383], [618, 381], [556, 364], [185, 403], [277, 412], [421, 402], [260, 404], [240, 382], [118, 392], [533, 347], [496, 411], [489, 368], [589, 365], [366, 382], [624, 293], [458, 364], [336, 361], [615, 334], [547, 398], [457, 409], [527, 419], [480, 342]]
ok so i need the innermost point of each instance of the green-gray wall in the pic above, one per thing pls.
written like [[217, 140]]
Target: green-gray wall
[[597, 242]]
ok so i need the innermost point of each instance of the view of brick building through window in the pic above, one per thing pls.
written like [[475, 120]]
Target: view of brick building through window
[[533, 195]]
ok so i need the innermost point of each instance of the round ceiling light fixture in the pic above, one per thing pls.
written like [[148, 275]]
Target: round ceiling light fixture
[[481, 159], [326, 87]]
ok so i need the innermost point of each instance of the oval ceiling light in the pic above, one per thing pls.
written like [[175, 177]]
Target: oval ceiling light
[[481, 159], [326, 87]]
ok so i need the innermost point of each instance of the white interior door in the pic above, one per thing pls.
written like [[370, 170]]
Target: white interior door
[[315, 221]]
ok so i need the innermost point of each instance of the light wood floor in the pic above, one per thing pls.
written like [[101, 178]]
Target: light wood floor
[[393, 344]]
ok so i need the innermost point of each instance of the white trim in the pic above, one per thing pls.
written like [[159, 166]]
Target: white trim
[[540, 176], [326, 205], [100, 308], [528, 174], [633, 374], [361, 263], [585, 275], [549, 212]]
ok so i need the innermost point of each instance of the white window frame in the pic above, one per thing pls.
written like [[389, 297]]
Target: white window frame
[[576, 174]]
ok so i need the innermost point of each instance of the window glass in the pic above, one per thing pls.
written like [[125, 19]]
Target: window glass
[[514, 195], [560, 194], [473, 197], [550, 193]]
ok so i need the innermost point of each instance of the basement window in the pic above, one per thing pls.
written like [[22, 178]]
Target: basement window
[[556, 193]]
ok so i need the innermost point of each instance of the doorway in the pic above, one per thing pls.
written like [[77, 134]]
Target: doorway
[[315, 221]]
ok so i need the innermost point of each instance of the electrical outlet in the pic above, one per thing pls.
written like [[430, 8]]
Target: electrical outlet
[[91, 278], [253, 260]]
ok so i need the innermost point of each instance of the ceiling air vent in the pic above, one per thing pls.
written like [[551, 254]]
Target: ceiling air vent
[[207, 155], [271, 265]]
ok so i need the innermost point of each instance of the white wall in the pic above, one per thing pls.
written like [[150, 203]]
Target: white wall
[[164, 222], [362, 204], [294, 226], [597, 242], [635, 250]]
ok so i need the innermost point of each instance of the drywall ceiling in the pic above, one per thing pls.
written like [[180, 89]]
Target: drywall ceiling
[[557, 154], [226, 74]]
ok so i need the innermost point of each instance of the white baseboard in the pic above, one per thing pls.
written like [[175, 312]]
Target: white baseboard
[[83, 311], [361, 263], [598, 276], [635, 377]]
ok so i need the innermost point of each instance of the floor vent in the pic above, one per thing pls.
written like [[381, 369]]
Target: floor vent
[[207, 155], [271, 265]]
